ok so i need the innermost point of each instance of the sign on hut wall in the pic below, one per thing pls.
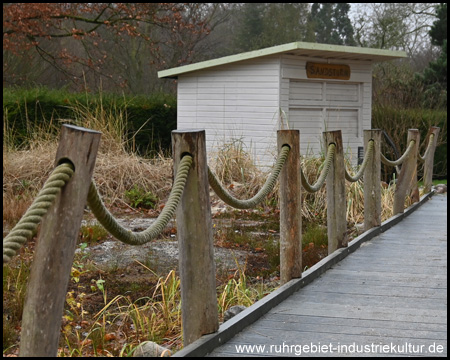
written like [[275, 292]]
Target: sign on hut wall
[[327, 71]]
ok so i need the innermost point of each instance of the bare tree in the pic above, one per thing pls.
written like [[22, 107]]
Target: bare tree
[[77, 39], [396, 26]]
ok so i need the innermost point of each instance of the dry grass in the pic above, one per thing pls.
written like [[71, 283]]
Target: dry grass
[[237, 172], [28, 168], [314, 205], [116, 170], [235, 169], [13, 209], [25, 171], [116, 174]]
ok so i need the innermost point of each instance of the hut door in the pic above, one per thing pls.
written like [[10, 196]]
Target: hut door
[[317, 106]]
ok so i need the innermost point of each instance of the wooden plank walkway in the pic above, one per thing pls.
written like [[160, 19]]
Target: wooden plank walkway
[[389, 298]]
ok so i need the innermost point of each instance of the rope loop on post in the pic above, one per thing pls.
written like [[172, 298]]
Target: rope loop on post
[[127, 236], [360, 172], [430, 144], [26, 228], [268, 186], [401, 159], [323, 174]]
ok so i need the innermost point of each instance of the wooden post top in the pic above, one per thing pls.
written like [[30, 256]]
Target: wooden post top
[[79, 128], [185, 131]]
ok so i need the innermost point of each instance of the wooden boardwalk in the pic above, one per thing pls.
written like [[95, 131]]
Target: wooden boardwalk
[[389, 298]]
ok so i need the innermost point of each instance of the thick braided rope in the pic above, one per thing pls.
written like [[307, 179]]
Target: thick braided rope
[[265, 190], [430, 143], [323, 174], [401, 159], [127, 236], [360, 172], [26, 228]]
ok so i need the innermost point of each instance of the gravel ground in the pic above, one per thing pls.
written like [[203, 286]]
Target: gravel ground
[[159, 255]]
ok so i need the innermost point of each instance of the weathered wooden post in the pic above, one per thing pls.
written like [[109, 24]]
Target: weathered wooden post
[[429, 159], [56, 244], [336, 203], [290, 208], [408, 173], [195, 240], [372, 181]]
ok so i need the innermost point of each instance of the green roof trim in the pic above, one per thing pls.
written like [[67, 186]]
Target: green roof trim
[[316, 50]]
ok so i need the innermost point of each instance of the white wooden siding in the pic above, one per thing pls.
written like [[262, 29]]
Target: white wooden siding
[[339, 94], [310, 123], [248, 101], [237, 102], [305, 91], [317, 105]]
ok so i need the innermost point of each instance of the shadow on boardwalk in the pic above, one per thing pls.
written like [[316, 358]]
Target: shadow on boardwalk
[[389, 298]]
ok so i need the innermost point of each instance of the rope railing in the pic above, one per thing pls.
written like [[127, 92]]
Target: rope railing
[[27, 226], [268, 186], [429, 147], [400, 160], [132, 238], [189, 198], [323, 174], [362, 168]]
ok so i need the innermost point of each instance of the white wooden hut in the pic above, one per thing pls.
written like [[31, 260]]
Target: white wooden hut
[[306, 86]]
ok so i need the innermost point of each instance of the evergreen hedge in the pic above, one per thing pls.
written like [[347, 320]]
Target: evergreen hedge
[[397, 121], [149, 120]]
